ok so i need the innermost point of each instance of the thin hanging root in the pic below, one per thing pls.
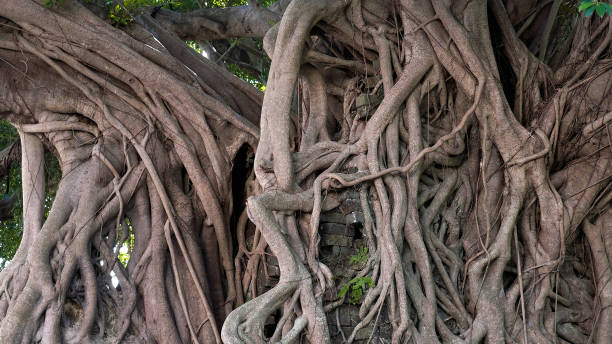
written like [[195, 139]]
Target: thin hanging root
[[520, 279], [298, 326], [242, 251], [177, 280], [116, 186], [202, 185], [287, 312], [126, 287], [91, 298]]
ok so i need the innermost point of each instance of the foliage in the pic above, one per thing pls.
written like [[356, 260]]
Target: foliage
[[257, 81], [195, 46], [121, 13], [356, 286], [52, 3], [53, 175], [124, 254], [226, 3], [591, 6], [126, 247], [361, 257], [229, 3], [267, 3], [11, 230]]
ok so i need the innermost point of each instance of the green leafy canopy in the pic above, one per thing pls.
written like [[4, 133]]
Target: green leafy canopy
[[593, 6]]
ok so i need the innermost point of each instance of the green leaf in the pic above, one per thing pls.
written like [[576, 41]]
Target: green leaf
[[585, 5], [356, 295], [589, 11], [357, 286], [600, 10], [344, 289], [361, 256]]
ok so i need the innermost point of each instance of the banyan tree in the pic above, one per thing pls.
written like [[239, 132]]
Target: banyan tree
[[436, 171]]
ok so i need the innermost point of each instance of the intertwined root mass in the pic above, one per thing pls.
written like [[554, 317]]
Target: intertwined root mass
[[481, 173]]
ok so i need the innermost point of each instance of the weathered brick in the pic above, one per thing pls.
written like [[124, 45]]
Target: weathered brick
[[366, 100], [354, 217], [272, 260], [332, 216], [336, 240], [336, 228]]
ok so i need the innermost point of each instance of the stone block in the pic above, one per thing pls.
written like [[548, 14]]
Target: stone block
[[363, 333], [271, 260], [332, 216], [336, 228], [351, 205], [369, 100], [354, 217], [348, 315], [273, 270], [342, 251], [336, 240], [372, 81], [350, 194]]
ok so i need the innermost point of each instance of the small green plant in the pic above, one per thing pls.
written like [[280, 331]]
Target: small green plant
[[356, 286], [591, 6], [362, 256]]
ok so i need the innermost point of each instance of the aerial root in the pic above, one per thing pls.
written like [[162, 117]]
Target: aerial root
[[177, 280]]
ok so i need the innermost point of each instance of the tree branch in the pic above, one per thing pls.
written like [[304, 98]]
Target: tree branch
[[215, 23]]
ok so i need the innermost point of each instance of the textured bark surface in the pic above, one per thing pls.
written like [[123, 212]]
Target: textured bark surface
[[464, 145]]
